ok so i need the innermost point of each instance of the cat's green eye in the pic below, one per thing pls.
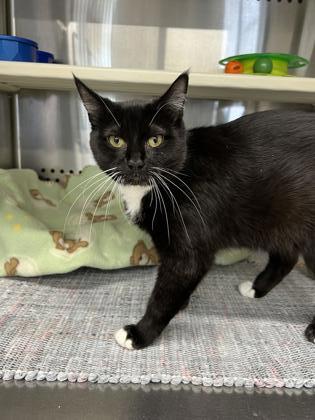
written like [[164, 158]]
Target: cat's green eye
[[155, 141], [116, 142]]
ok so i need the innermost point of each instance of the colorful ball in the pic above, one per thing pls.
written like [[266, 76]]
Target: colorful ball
[[263, 65]]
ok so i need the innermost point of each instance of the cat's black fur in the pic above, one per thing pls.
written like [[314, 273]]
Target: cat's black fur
[[253, 178]]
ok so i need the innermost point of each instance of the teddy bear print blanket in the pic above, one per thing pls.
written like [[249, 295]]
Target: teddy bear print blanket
[[48, 227]]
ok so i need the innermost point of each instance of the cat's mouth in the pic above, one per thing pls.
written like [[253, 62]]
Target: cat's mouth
[[134, 179]]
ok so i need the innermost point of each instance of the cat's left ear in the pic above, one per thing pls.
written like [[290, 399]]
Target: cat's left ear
[[173, 100]]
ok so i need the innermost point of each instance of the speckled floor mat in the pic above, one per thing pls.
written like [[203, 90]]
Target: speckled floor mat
[[61, 328]]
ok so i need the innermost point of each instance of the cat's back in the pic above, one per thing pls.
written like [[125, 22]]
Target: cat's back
[[275, 126], [260, 167], [269, 154], [268, 136]]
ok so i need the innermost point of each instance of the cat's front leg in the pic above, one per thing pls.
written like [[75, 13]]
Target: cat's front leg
[[175, 282]]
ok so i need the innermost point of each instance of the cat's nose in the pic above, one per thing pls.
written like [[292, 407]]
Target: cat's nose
[[135, 163]]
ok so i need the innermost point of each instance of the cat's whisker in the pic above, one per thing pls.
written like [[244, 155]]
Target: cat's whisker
[[94, 213], [192, 202], [90, 198], [155, 199], [83, 182], [189, 198], [177, 206], [85, 188], [120, 199], [120, 202], [74, 203], [171, 195], [109, 181], [157, 196], [171, 170], [165, 211], [108, 204], [98, 203], [178, 173], [151, 186], [184, 183]]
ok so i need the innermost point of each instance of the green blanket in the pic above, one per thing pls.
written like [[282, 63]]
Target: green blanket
[[49, 227]]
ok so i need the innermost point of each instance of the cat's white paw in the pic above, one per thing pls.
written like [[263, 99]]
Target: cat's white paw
[[122, 340], [246, 289]]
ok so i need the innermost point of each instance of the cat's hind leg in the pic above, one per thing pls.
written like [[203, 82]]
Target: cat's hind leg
[[309, 259], [277, 268], [310, 331]]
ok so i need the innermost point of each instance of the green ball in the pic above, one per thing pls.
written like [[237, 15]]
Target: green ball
[[263, 65]]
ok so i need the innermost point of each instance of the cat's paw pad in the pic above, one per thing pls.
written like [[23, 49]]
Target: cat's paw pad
[[246, 289], [121, 337], [310, 333]]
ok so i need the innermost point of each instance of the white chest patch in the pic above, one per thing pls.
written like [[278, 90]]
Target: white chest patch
[[132, 196]]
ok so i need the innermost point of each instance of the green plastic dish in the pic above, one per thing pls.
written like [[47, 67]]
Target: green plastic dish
[[280, 62]]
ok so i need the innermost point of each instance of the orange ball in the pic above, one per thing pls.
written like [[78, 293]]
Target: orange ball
[[234, 67]]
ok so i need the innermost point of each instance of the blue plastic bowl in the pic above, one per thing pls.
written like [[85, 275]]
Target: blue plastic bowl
[[14, 48], [44, 57]]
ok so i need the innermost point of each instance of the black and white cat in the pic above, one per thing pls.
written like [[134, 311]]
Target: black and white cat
[[249, 183]]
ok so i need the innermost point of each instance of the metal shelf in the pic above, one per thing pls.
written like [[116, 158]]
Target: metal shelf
[[15, 76]]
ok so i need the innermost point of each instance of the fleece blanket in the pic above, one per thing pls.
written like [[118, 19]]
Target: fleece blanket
[[49, 227]]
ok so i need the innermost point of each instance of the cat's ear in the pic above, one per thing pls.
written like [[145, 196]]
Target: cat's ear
[[98, 108], [173, 100]]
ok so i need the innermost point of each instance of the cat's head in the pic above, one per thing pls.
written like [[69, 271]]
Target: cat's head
[[135, 138]]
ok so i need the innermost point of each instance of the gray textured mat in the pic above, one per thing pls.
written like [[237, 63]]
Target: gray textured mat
[[61, 328]]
